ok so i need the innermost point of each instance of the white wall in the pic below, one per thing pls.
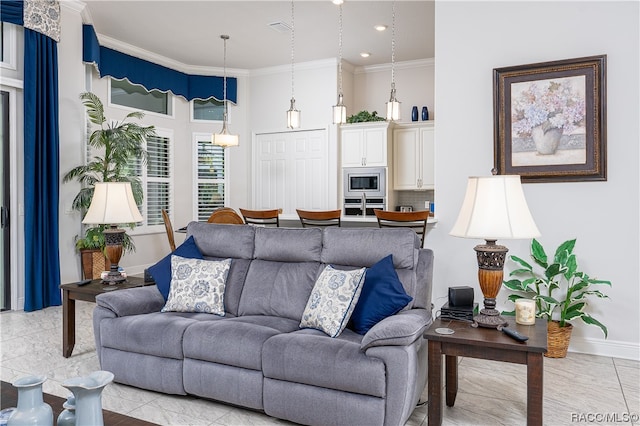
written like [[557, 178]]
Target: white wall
[[473, 38], [414, 87]]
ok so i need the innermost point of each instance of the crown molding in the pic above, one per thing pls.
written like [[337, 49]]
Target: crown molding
[[129, 49], [73, 5], [419, 63], [300, 66]]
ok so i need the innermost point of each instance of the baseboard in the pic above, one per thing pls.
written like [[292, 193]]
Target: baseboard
[[610, 348]]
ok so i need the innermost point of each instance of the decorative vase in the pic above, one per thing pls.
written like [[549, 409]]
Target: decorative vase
[[68, 416], [557, 339], [88, 396], [425, 113], [31, 410], [414, 113], [546, 138]]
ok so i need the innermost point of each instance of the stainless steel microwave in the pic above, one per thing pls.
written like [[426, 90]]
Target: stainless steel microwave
[[365, 181]]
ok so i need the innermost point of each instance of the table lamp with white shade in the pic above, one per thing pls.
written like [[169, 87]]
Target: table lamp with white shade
[[494, 208], [113, 204]]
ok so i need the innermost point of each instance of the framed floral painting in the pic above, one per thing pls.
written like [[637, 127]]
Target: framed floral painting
[[550, 120]]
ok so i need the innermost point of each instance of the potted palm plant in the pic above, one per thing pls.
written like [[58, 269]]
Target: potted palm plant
[[117, 146], [561, 292]]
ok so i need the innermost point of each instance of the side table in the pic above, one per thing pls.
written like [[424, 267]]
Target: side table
[[88, 292], [484, 343]]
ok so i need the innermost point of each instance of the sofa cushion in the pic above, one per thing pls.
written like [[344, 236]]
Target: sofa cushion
[[161, 271], [197, 285], [332, 300], [382, 295], [278, 288], [158, 334], [311, 357], [223, 240], [235, 341], [366, 246], [288, 245]]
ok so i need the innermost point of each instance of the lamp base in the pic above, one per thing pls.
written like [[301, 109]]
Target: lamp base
[[113, 278], [489, 318]]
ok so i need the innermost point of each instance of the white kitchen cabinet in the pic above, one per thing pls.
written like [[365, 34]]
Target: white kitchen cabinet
[[413, 157], [365, 144]]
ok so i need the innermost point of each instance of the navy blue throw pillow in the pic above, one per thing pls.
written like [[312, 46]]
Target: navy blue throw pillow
[[161, 271], [382, 295]]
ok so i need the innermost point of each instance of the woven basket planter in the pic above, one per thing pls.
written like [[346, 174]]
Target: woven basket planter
[[557, 339], [93, 263]]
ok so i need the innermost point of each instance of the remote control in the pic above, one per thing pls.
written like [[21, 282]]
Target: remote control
[[83, 282], [513, 334]]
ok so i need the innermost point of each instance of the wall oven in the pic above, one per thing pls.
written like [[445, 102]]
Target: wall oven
[[364, 190]]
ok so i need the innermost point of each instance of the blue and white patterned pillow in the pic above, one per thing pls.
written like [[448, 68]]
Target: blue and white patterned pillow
[[332, 300], [197, 285]]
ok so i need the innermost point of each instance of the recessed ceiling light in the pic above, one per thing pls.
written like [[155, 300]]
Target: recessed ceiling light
[[380, 27], [365, 54], [337, 2]]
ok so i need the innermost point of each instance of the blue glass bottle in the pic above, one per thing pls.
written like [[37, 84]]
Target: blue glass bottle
[[414, 113], [425, 113]]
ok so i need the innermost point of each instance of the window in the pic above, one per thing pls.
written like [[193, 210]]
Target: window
[[8, 45], [209, 110], [137, 97], [157, 181], [210, 176]]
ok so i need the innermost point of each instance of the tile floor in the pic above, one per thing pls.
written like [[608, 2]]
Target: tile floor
[[580, 389]]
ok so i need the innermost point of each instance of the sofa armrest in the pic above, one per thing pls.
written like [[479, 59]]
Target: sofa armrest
[[132, 301], [401, 329]]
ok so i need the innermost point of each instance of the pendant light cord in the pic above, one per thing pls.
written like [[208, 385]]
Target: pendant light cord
[[224, 80], [393, 44], [340, 52], [293, 35]]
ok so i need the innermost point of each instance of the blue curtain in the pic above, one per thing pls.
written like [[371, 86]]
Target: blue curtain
[[41, 163], [41, 171], [153, 76]]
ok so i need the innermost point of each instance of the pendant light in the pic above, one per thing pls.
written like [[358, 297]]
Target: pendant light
[[293, 115], [224, 138], [340, 110], [393, 106]]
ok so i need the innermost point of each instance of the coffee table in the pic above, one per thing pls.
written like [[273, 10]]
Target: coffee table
[[484, 343], [88, 292], [10, 399]]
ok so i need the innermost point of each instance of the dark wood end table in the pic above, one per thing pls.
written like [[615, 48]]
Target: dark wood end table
[[88, 292], [484, 343]]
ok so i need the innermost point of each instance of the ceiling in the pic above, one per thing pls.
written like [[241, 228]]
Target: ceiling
[[188, 32]]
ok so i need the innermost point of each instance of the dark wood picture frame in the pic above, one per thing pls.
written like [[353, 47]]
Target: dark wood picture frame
[[550, 120]]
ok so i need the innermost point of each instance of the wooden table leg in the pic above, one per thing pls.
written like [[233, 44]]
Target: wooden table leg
[[451, 381], [435, 383], [68, 324], [534, 388]]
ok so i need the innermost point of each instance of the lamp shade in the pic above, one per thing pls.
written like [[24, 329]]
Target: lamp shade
[[494, 208], [112, 203]]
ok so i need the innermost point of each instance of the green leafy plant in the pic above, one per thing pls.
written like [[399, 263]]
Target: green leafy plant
[[364, 116], [560, 291], [118, 144]]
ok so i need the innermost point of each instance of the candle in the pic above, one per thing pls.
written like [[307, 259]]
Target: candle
[[525, 311]]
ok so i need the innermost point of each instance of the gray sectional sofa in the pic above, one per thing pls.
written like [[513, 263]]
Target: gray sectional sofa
[[257, 356]]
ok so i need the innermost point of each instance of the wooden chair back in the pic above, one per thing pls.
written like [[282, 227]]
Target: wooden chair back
[[261, 217], [319, 217], [169, 228], [414, 220], [225, 215]]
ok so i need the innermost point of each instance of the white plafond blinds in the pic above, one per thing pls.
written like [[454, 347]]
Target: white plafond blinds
[[211, 177], [157, 179]]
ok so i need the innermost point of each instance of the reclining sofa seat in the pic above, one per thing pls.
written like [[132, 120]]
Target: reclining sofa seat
[[256, 356]]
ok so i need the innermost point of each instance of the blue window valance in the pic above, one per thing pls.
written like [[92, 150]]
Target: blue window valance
[[11, 11], [153, 76]]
